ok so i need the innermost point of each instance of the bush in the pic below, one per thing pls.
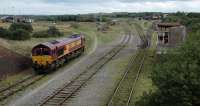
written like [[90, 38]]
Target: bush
[[75, 25], [17, 31], [26, 26], [4, 33], [176, 76], [51, 32], [40, 34], [20, 34]]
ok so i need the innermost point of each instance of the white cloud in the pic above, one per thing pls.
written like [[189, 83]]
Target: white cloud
[[92, 6]]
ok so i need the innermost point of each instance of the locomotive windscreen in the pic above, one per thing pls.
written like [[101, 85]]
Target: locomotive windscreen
[[41, 51]]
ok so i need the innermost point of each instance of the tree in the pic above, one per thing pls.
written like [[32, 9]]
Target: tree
[[53, 31], [4, 33], [176, 76], [20, 34], [75, 25], [26, 26]]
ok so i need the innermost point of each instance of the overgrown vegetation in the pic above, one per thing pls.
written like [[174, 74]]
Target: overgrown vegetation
[[75, 18], [4, 32], [23, 31], [17, 31], [190, 20], [75, 25], [51, 32], [25, 26], [176, 74], [20, 34]]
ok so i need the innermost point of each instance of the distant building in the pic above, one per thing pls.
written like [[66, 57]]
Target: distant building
[[23, 19], [147, 17], [152, 17], [170, 34], [16, 19], [165, 15], [7, 19], [114, 22]]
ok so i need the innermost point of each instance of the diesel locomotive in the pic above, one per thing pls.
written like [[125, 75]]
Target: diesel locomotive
[[50, 55]]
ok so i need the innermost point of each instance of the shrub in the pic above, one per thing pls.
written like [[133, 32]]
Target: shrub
[[17, 31], [26, 26], [74, 25], [4, 33], [51, 32], [40, 34], [176, 76], [20, 34]]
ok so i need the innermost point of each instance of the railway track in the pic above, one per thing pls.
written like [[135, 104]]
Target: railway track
[[125, 88], [19, 86], [60, 96]]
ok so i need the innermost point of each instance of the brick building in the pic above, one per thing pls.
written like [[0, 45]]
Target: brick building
[[170, 34]]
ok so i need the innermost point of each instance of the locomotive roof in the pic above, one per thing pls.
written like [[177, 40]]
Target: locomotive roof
[[60, 42]]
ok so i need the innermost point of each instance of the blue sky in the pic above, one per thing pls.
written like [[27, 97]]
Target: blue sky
[[53, 7]]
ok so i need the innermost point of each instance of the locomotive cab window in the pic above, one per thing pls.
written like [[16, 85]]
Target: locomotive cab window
[[40, 51], [45, 52]]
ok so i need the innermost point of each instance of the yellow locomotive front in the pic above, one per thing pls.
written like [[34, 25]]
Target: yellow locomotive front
[[41, 57]]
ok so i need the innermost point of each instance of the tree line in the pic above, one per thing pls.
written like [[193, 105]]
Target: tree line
[[103, 17]]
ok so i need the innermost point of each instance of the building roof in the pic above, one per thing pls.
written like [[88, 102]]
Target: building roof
[[171, 24]]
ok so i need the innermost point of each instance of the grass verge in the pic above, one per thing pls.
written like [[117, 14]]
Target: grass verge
[[87, 28], [121, 95], [144, 83]]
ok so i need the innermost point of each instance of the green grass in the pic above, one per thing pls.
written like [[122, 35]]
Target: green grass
[[121, 96], [113, 33], [24, 47], [87, 28], [144, 82], [118, 64], [154, 39]]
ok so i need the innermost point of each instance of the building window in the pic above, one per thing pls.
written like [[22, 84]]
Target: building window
[[160, 38], [166, 33], [166, 39]]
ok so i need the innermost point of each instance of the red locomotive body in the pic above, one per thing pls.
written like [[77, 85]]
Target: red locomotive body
[[50, 55]]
